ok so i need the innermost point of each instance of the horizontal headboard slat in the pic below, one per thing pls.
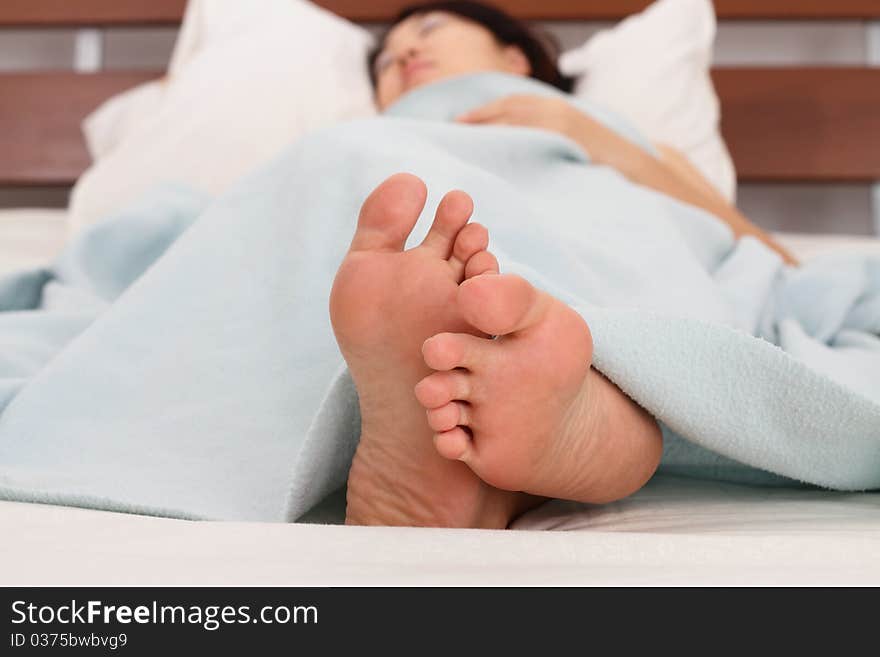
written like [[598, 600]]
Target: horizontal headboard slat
[[72, 13], [802, 124], [41, 142], [56, 13], [383, 10], [782, 124]]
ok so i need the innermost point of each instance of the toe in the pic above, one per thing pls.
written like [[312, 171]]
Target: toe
[[448, 417], [501, 304], [455, 444], [388, 215], [440, 388], [448, 351], [481, 263], [452, 214], [472, 239]]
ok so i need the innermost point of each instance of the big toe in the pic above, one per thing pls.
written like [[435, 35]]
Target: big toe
[[389, 214], [499, 304]]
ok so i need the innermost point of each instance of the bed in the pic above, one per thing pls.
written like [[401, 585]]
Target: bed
[[674, 531]]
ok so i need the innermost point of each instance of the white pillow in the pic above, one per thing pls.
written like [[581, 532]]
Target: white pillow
[[109, 125], [653, 68], [246, 79]]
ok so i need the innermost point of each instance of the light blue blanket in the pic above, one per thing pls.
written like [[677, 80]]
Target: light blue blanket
[[178, 359]]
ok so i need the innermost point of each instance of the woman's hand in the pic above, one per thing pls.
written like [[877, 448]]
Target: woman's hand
[[602, 145], [548, 113]]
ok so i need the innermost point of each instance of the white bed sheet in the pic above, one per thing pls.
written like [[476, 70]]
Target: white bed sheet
[[674, 531], [30, 237]]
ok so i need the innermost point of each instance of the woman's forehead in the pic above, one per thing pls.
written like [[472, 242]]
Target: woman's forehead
[[409, 25]]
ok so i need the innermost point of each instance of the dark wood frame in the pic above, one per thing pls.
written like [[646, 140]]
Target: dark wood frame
[[781, 124], [802, 124], [164, 12]]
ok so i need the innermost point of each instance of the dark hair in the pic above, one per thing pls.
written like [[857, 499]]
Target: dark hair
[[541, 50]]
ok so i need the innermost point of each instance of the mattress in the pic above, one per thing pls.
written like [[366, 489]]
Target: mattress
[[30, 237], [673, 531]]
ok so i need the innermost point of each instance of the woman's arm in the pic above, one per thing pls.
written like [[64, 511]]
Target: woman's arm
[[671, 173]]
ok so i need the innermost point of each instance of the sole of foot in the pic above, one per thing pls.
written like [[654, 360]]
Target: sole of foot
[[525, 410], [385, 302]]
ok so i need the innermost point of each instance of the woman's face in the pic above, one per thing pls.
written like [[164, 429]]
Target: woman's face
[[429, 47]]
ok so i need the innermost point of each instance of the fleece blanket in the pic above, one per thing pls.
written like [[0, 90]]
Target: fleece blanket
[[178, 359]]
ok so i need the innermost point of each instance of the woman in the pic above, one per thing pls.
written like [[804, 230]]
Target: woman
[[501, 369], [437, 40]]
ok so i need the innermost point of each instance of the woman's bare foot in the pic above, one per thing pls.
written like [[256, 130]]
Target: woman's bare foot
[[385, 302], [526, 411]]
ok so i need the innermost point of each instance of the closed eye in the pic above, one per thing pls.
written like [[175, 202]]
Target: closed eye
[[431, 22], [382, 62]]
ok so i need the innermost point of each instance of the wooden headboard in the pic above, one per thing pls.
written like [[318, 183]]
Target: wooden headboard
[[781, 124], [166, 12]]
